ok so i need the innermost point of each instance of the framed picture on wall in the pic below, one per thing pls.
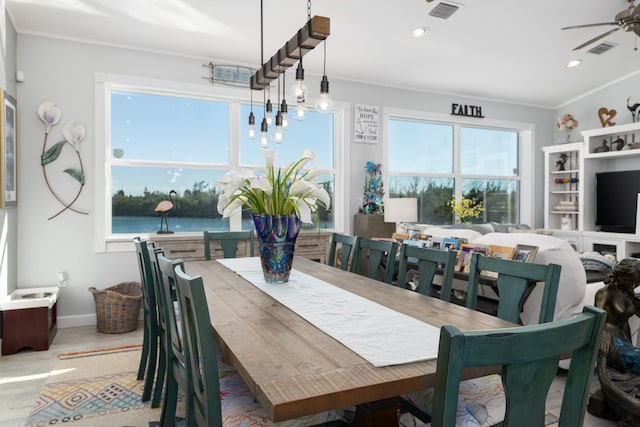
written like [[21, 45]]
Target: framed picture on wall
[[8, 149]]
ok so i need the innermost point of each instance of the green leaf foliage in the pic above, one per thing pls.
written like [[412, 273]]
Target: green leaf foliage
[[52, 153], [76, 174]]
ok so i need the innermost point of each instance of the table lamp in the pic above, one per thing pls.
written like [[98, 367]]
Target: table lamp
[[404, 209]]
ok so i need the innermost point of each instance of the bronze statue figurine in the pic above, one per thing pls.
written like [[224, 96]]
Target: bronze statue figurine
[[618, 360]]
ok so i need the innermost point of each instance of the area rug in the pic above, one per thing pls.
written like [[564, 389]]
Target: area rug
[[95, 388]]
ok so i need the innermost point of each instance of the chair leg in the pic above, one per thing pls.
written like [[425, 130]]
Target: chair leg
[[151, 368], [168, 417], [145, 352], [161, 376]]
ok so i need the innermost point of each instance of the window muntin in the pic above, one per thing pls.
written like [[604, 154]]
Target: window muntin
[[435, 161]]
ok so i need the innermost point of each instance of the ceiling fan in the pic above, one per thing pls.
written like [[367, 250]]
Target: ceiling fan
[[628, 20]]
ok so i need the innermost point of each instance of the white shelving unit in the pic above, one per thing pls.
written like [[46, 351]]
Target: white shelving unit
[[563, 187], [570, 193]]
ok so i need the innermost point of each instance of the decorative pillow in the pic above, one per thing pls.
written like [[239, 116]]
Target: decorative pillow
[[531, 231], [504, 228], [480, 228], [594, 261]]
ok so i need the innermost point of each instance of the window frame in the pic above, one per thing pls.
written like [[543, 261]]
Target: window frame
[[105, 240], [526, 151]]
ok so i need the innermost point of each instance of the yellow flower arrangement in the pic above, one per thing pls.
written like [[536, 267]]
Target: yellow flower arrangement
[[466, 209]]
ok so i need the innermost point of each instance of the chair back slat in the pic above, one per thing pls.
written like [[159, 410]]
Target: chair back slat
[[168, 284], [515, 281], [345, 244], [175, 349], [379, 256], [228, 242], [529, 357], [429, 262]]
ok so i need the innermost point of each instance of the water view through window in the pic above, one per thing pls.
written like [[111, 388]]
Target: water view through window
[[161, 143]]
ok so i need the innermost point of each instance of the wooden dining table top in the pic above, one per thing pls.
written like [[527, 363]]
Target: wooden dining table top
[[295, 369]]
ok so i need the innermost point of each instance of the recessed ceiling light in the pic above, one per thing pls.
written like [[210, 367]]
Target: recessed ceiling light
[[419, 32], [573, 63]]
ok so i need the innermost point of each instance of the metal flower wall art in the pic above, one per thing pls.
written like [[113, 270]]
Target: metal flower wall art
[[73, 134]]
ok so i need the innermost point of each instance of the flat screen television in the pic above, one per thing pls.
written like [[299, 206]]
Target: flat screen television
[[617, 200]]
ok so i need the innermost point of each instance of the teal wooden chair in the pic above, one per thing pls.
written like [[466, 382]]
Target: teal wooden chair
[[428, 261], [514, 285], [529, 357], [210, 380], [147, 368], [344, 244], [379, 257], [177, 375], [228, 241]]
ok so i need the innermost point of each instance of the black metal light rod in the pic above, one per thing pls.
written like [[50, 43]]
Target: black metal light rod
[[308, 37]]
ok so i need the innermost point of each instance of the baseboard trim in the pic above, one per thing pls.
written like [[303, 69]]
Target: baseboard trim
[[82, 320], [75, 321]]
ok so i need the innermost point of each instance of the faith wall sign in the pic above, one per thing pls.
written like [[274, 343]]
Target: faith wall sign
[[467, 110]]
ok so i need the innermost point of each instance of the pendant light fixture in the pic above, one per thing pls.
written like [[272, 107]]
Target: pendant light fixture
[[324, 103], [300, 90], [269, 108], [251, 130], [314, 31], [284, 108], [278, 133], [264, 128]]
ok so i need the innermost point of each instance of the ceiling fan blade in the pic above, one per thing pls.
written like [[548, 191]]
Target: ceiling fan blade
[[595, 39], [589, 25]]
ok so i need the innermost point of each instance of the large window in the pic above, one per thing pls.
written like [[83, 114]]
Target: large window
[[158, 142], [436, 162]]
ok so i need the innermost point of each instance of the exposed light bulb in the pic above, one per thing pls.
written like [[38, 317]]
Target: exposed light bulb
[[251, 131], [324, 103], [299, 114], [299, 89], [264, 138], [269, 112], [284, 112], [278, 133]]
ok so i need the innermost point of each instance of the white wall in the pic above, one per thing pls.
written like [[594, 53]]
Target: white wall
[[63, 72], [612, 97], [8, 217]]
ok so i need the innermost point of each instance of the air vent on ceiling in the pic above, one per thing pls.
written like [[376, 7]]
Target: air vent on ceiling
[[601, 48], [444, 10]]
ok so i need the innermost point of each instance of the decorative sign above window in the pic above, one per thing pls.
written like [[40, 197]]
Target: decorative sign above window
[[366, 119], [233, 75], [467, 110]]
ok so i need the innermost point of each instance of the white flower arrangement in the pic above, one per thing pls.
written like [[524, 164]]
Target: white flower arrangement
[[281, 191]]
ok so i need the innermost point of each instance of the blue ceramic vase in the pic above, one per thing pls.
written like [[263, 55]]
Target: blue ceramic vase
[[277, 236]]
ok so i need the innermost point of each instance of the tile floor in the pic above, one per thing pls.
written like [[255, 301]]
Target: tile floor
[[23, 374]]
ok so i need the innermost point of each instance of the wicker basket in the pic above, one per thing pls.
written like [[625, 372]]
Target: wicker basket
[[118, 307]]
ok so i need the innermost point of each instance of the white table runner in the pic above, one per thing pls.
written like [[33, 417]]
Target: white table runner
[[378, 334]]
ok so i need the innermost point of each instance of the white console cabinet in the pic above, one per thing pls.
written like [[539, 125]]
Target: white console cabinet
[[570, 187]]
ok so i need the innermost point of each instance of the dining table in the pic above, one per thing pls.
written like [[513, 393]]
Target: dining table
[[294, 368]]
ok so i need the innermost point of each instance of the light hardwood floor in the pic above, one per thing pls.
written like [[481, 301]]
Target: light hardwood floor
[[23, 374]]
